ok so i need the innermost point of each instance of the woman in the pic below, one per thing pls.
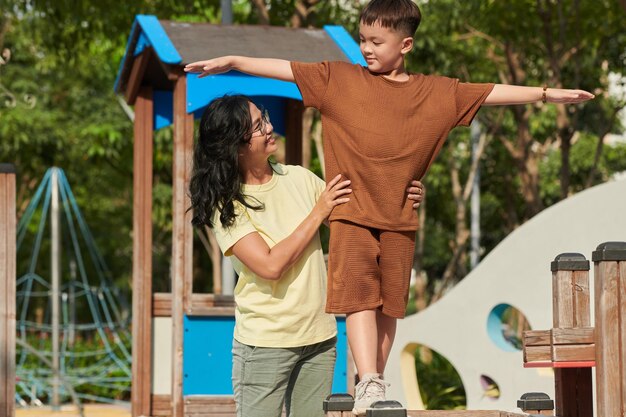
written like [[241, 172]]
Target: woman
[[266, 216]]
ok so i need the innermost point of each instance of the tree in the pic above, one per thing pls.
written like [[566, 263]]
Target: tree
[[526, 43]]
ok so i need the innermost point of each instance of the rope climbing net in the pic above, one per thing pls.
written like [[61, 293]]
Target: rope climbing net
[[73, 341]]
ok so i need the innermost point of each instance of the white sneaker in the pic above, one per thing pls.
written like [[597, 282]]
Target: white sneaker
[[369, 390]]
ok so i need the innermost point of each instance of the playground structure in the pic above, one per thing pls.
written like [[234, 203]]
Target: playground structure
[[171, 356], [64, 299], [573, 346], [513, 274]]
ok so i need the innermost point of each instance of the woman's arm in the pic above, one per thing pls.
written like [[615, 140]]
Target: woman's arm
[[503, 95], [279, 69], [271, 263]]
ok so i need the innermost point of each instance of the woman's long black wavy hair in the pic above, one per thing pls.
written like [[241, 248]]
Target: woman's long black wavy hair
[[215, 181]]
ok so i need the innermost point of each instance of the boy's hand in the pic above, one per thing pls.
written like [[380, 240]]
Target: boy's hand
[[417, 192], [560, 95], [210, 66]]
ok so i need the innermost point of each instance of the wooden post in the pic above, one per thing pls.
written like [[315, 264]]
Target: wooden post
[[610, 330], [182, 235], [293, 132], [141, 386], [7, 289], [570, 309]]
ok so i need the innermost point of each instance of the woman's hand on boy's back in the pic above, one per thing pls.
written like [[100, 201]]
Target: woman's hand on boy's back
[[416, 192], [334, 194]]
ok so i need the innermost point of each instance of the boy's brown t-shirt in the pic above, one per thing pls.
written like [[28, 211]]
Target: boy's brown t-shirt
[[381, 134]]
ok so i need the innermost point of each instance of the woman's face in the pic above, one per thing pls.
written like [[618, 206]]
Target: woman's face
[[262, 143]]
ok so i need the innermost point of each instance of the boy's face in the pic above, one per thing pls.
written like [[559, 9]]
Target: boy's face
[[383, 48]]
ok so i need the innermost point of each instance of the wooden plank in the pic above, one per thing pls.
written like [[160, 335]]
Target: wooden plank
[[573, 396], [4, 290], [136, 75], [536, 337], [570, 353], [581, 299], [583, 335], [201, 305], [161, 405], [621, 291], [608, 378], [563, 301], [294, 110], [142, 255], [7, 288], [182, 235], [537, 353]]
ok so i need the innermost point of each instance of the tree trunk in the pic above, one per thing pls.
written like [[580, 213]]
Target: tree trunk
[[263, 12]]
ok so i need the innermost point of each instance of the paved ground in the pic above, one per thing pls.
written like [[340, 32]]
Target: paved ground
[[91, 410]]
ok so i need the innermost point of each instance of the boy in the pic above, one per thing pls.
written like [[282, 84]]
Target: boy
[[382, 127]]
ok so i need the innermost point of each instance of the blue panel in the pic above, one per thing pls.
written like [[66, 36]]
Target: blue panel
[[340, 380], [201, 91], [276, 107], [344, 41], [158, 39], [207, 356], [163, 108]]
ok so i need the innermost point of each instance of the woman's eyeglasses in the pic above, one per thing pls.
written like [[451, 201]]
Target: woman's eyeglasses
[[263, 124]]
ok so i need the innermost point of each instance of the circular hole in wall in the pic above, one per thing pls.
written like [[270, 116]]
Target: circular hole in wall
[[505, 325], [440, 384], [490, 387]]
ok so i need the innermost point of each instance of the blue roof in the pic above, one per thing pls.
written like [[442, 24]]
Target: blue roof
[[331, 43]]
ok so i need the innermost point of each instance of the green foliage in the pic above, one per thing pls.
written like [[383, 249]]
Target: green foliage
[[82, 364], [440, 385]]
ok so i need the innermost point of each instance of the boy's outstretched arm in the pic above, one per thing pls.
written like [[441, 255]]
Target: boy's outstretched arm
[[279, 69], [503, 95]]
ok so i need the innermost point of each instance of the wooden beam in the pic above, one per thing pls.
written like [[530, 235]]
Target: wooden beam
[[7, 289], [201, 305], [294, 111], [142, 254], [610, 329], [182, 235], [136, 75], [573, 393]]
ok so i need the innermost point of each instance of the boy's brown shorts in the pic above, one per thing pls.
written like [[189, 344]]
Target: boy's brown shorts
[[368, 269]]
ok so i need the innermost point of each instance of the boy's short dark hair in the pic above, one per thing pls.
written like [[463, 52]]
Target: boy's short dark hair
[[401, 15]]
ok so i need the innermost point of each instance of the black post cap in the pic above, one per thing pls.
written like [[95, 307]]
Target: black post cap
[[610, 251], [7, 168], [570, 262], [535, 401], [387, 408], [338, 402]]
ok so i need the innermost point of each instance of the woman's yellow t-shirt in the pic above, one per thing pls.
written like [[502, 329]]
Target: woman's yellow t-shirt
[[288, 312]]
